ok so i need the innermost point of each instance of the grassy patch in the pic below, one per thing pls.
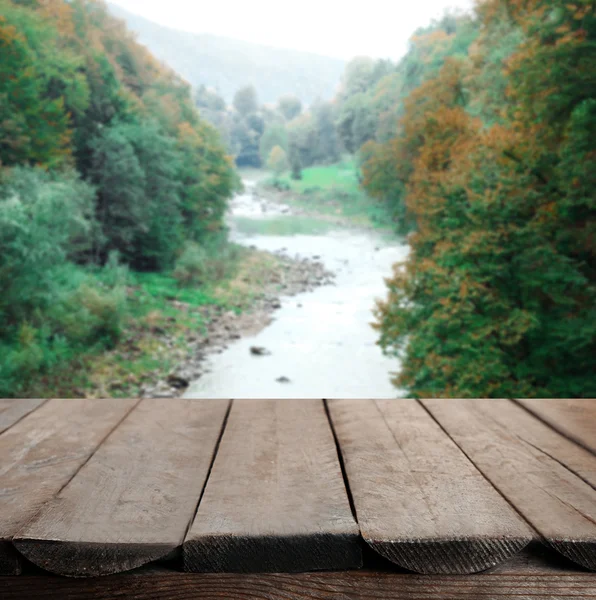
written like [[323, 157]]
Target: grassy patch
[[332, 190], [290, 225], [161, 315]]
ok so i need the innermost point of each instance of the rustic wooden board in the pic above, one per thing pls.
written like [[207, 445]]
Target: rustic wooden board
[[41, 453], [536, 433], [575, 419], [275, 500], [419, 501], [560, 505], [133, 501], [12, 411], [517, 581]]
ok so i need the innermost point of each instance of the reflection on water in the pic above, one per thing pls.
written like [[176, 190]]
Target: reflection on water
[[321, 341]]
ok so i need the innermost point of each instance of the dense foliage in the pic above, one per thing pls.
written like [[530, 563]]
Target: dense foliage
[[492, 157], [103, 160]]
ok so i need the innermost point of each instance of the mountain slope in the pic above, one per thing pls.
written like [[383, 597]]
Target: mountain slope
[[228, 64]]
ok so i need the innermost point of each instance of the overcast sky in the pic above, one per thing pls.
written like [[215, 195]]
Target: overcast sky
[[341, 28]]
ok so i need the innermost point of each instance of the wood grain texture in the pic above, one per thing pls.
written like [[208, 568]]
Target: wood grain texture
[[531, 430], [41, 453], [12, 411], [276, 499], [575, 419], [419, 501], [509, 450], [519, 580], [133, 501]]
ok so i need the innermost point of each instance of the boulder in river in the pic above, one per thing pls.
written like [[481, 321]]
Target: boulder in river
[[259, 351]]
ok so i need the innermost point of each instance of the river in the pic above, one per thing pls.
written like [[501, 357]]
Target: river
[[321, 343]]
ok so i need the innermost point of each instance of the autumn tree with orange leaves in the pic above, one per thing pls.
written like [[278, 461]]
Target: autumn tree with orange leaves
[[497, 297]]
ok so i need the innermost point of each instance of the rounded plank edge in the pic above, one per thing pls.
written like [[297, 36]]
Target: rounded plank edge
[[580, 552], [448, 556], [272, 554], [89, 559]]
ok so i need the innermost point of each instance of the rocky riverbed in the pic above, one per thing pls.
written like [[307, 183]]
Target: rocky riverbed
[[295, 275]]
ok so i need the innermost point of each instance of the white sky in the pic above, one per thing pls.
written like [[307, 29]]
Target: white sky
[[341, 28]]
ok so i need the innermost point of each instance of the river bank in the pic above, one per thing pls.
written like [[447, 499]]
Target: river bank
[[320, 342]]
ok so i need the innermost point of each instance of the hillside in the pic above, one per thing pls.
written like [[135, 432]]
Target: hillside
[[228, 64]]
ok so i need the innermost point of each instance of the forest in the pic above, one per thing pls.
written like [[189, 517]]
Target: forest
[[479, 145], [105, 166]]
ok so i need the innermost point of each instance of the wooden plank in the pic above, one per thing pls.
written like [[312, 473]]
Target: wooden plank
[[419, 501], [41, 453], [276, 499], [575, 419], [560, 505], [12, 411], [520, 581], [536, 433], [133, 501]]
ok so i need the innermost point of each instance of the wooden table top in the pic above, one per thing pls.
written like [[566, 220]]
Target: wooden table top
[[256, 498]]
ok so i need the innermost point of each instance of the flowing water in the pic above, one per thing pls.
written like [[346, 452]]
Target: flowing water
[[321, 341]]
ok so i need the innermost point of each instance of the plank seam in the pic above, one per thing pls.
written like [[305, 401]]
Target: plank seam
[[102, 441], [546, 422], [24, 416], [211, 463], [342, 465], [555, 459], [539, 535]]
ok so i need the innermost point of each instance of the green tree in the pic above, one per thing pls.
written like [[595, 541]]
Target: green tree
[[158, 243], [295, 162], [275, 135], [122, 209], [207, 180], [327, 142], [245, 100], [289, 106], [45, 219], [278, 161], [34, 127]]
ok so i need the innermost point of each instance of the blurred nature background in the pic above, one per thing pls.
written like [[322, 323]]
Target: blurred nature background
[[119, 152]]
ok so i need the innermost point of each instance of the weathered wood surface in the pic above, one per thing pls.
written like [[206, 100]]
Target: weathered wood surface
[[12, 411], [133, 501], [575, 419], [558, 503], [419, 501], [275, 500], [520, 579], [528, 428], [41, 453]]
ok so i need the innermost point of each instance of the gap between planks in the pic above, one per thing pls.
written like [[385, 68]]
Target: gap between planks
[[41, 453], [131, 503], [541, 473], [276, 499], [424, 505]]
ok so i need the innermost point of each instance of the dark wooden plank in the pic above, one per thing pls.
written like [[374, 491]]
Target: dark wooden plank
[[507, 448], [12, 411], [133, 501], [575, 419], [524, 580], [276, 499], [40, 454], [419, 501]]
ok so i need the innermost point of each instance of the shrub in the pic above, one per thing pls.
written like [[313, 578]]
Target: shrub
[[44, 219], [210, 263]]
